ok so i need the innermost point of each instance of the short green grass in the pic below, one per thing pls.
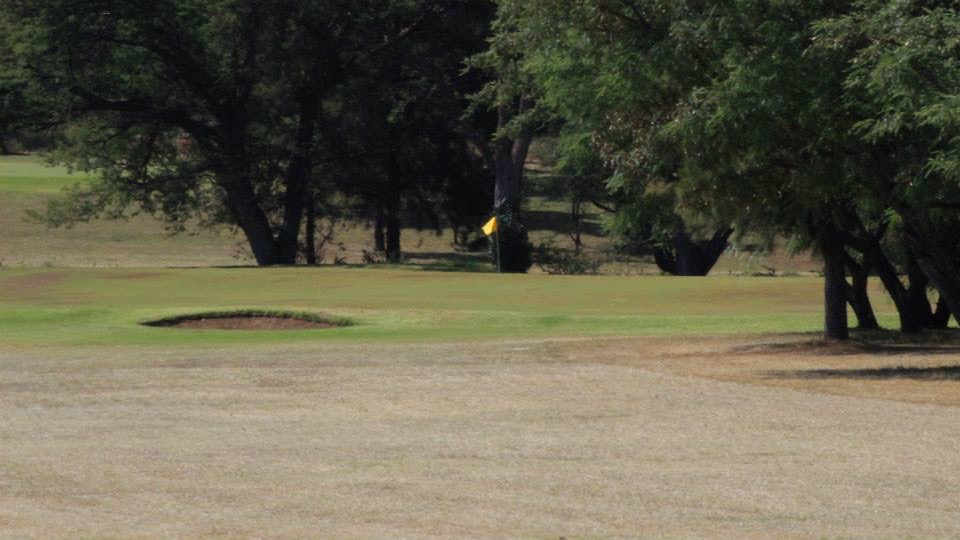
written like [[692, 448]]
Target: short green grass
[[83, 307]]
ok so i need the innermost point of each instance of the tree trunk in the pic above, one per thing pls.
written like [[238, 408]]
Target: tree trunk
[[689, 258], [944, 277], [937, 265], [243, 205], [835, 287], [858, 295], [576, 217], [910, 320], [392, 209], [393, 235], [509, 156], [941, 317], [311, 243], [379, 225], [917, 300]]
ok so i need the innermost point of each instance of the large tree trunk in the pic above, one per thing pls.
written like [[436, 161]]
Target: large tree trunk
[[690, 258], [835, 287], [392, 212]]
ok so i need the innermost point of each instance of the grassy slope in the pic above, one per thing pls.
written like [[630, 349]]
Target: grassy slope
[[71, 307]]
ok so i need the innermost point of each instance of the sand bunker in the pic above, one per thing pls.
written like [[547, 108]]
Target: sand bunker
[[248, 321]]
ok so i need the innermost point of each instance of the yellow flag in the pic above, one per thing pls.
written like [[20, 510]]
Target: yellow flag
[[491, 226]]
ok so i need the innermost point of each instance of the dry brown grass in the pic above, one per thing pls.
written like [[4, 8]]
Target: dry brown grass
[[886, 368], [543, 439]]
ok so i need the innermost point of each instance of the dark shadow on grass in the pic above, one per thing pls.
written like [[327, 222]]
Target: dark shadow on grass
[[938, 373], [872, 342]]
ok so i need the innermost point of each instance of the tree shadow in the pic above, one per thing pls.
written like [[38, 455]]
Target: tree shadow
[[560, 222], [869, 342], [937, 373]]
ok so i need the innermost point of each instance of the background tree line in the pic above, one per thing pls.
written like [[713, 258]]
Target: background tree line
[[266, 115]]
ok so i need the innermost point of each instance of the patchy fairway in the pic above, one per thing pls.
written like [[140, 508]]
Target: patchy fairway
[[462, 405], [493, 439]]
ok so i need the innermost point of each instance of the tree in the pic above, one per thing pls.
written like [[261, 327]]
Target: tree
[[404, 112], [716, 101], [186, 108], [504, 138], [591, 69], [904, 81]]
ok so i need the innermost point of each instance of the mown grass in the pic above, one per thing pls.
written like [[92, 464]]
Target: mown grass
[[77, 307]]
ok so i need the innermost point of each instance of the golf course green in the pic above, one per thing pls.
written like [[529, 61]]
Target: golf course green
[[75, 307]]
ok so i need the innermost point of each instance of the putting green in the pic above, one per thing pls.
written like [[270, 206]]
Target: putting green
[[79, 307]]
